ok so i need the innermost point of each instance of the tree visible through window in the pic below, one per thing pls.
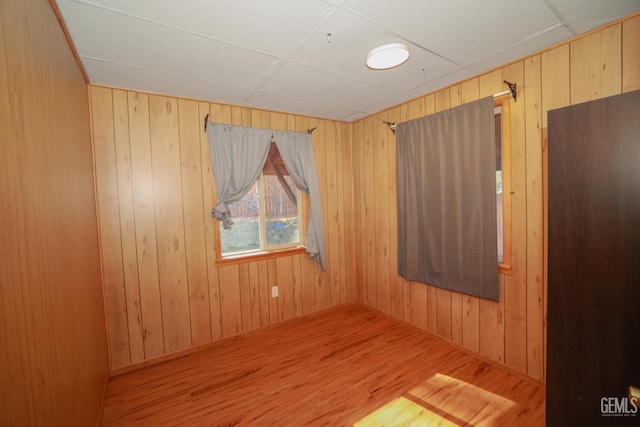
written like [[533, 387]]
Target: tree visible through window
[[267, 218]]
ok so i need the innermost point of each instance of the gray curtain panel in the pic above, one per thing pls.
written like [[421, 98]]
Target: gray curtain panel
[[446, 192], [238, 154], [296, 151]]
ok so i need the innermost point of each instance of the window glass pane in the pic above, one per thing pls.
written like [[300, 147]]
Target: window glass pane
[[281, 210], [244, 235]]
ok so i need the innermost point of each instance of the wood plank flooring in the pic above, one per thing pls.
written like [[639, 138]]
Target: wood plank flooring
[[346, 366]]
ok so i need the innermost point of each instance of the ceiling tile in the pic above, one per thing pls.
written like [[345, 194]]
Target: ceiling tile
[[122, 76], [344, 52], [275, 27], [548, 38], [462, 31], [582, 15], [299, 81], [308, 107], [145, 45], [276, 54]]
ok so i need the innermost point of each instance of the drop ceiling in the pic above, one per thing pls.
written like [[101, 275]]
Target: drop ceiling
[[308, 56]]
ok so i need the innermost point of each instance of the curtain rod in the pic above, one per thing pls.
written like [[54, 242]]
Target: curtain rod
[[206, 119], [513, 91]]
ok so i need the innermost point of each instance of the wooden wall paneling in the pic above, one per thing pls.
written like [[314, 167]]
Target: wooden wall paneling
[[145, 225], [185, 299], [245, 296], [278, 121], [308, 271], [444, 318], [556, 80], [350, 212], [369, 208], [109, 223], [418, 291], [515, 286], [53, 337], [491, 334], [470, 304], [189, 124], [536, 286], [343, 201], [359, 194], [631, 54], [322, 282], [253, 306], [396, 282], [419, 305], [167, 195], [406, 285], [298, 278], [272, 280], [357, 271], [286, 296], [208, 194], [416, 108], [16, 404], [556, 93], [381, 209], [297, 284], [127, 225], [264, 293], [230, 300], [332, 220], [596, 65], [340, 222]]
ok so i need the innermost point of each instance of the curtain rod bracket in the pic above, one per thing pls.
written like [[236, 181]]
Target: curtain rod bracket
[[392, 126], [310, 131], [206, 119], [513, 88]]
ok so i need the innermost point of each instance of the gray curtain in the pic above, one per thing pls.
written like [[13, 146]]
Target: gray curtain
[[238, 154], [447, 200], [296, 152]]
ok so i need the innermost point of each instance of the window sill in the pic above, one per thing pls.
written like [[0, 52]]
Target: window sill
[[257, 256], [504, 269]]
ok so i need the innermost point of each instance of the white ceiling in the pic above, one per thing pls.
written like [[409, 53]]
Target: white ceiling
[[277, 55]]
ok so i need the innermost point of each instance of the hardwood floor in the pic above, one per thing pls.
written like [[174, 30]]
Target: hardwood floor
[[345, 366]]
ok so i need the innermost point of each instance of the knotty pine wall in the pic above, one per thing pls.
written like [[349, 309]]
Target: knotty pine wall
[[164, 291], [513, 330], [53, 345]]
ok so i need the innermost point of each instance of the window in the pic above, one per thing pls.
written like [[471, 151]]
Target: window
[[267, 218], [503, 175]]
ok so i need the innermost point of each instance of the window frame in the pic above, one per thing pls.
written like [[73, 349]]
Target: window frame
[[263, 252], [503, 102]]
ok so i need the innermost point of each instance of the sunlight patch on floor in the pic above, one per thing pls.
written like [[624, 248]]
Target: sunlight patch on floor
[[442, 400], [403, 412]]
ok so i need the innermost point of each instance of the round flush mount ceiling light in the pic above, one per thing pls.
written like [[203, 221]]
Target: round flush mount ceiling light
[[387, 56]]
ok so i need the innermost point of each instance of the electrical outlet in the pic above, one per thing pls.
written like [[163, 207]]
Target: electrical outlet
[[274, 292]]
